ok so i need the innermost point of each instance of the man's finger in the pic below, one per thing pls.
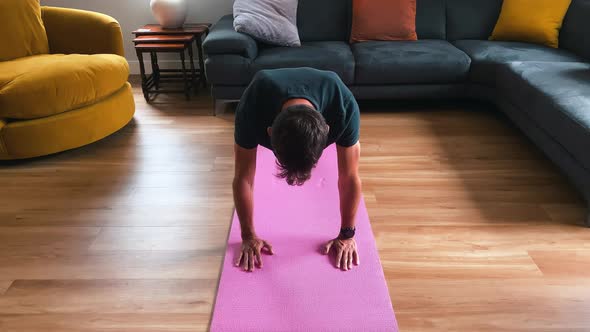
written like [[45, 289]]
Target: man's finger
[[259, 258], [327, 247], [356, 257], [239, 258], [339, 258], [350, 260], [250, 261], [344, 258], [268, 247], [245, 262]]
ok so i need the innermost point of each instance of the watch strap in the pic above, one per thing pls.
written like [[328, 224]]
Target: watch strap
[[347, 233]]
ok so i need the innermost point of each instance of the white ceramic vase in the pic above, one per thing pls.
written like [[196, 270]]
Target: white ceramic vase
[[170, 13]]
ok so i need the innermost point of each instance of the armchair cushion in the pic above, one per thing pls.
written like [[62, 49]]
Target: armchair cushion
[[223, 39], [21, 29], [44, 85], [73, 31]]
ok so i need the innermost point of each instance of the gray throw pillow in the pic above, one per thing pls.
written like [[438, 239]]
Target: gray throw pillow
[[269, 21]]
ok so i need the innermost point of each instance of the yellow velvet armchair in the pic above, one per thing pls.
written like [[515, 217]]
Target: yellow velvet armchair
[[63, 86]]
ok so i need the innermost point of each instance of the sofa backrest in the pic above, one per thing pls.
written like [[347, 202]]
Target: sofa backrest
[[430, 19], [575, 33], [324, 20], [328, 20], [472, 19]]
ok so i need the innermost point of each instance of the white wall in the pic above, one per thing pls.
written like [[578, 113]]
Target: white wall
[[132, 14]]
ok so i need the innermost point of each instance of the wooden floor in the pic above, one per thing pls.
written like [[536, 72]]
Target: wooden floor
[[476, 230]]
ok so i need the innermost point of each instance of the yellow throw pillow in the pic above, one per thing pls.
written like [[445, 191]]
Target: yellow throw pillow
[[22, 30], [533, 21]]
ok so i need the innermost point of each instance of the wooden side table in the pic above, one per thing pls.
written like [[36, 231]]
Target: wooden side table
[[165, 39], [198, 30], [151, 84]]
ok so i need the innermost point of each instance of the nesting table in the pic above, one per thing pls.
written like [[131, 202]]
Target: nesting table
[[154, 39]]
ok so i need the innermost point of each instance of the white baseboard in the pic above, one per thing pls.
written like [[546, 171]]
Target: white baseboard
[[164, 64]]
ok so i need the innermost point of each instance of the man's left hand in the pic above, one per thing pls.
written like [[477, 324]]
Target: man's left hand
[[346, 252]]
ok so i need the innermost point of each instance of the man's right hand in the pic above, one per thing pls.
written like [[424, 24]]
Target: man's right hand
[[251, 253]]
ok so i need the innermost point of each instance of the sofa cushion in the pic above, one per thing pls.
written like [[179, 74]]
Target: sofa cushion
[[409, 62], [329, 55], [430, 19], [383, 20], [486, 56], [574, 34], [325, 20], [469, 19], [22, 30], [44, 85], [517, 22], [269, 21], [557, 97]]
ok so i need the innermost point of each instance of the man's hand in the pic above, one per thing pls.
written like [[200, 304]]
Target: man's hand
[[250, 253], [346, 252]]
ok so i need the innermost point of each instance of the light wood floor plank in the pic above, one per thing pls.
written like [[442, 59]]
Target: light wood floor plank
[[4, 285], [563, 263], [195, 214], [481, 304], [98, 322], [161, 238], [566, 213], [46, 240], [415, 214], [109, 296], [462, 265], [113, 265], [482, 237]]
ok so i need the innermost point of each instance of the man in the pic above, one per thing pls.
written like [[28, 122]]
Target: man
[[297, 113]]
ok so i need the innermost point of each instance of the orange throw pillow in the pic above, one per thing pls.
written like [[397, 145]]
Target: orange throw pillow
[[383, 20]]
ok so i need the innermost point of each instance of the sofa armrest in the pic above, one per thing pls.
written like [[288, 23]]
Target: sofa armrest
[[73, 31], [223, 39]]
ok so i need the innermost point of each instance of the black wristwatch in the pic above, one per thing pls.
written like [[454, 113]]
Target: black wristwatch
[[347, 233]]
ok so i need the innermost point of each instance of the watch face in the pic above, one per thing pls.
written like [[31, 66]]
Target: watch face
[[347, 233]]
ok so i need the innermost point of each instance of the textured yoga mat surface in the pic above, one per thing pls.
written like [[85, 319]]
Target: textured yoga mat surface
[[299, 289]]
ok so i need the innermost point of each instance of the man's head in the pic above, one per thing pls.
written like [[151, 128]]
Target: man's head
[[299, 136]]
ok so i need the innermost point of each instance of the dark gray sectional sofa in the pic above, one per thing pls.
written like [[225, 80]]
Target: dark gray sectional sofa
[[545, 91]]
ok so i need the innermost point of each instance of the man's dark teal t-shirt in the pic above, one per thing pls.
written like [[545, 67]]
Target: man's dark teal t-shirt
[[270, 89]]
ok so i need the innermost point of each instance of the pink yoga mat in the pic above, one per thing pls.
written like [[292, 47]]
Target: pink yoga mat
[[299, 289]]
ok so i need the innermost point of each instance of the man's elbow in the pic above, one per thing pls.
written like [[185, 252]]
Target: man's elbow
[[241, 182], [236, 182], [350, 180]]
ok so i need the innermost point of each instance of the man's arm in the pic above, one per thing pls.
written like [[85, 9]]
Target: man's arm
[[243, 185], [349, 183], [349, 151], [349, 187]]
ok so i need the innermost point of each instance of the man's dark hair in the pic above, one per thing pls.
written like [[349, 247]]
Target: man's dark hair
[[299, 136]]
